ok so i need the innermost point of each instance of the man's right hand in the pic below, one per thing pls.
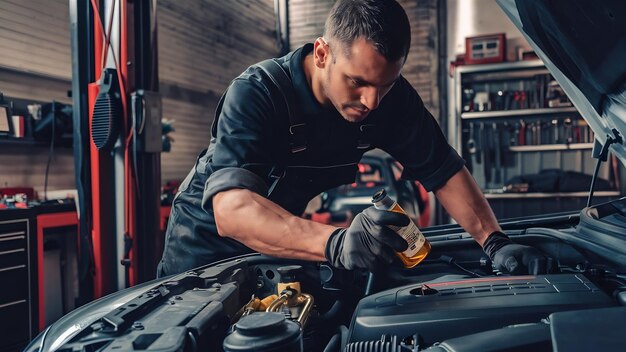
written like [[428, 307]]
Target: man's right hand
[[368, 243]]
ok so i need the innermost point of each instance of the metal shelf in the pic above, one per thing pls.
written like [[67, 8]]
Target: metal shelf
[[493, 77], [550, 195], [504, 66], [11, 142], [18, 141], [515, 113], [549, 147]]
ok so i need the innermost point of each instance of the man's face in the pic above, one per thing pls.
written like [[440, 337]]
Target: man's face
[[356, 83]]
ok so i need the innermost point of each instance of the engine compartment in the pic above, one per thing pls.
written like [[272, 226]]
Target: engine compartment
[[196, 311], [452, 301], [444, 309]]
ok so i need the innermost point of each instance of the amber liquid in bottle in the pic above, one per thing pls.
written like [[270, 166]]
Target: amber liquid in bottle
[[419, 247]]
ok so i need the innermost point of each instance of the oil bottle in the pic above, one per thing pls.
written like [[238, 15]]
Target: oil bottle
[[419, 247]]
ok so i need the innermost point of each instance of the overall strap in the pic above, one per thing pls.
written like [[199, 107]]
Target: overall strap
[[297, 127], [284, 85]]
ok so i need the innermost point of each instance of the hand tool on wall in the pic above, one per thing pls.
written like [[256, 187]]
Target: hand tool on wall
[[479, 144], [515, 134], [555, 132], [471, 148], [582, 125], [546, 133], [497, 147], [529, 133], [508, 139], [567, 126], [482, 101], [468, 100], [487, 147], [522, 132], [499, 100]]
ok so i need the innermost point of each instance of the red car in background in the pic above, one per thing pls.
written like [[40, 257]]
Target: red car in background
[[376, 170]]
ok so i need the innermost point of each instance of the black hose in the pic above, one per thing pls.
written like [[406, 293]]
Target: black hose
[[333, 311], [452, 261], [338, 341], [334, 345]]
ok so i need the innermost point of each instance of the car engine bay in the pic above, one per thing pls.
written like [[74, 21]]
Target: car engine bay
[[452, 301]]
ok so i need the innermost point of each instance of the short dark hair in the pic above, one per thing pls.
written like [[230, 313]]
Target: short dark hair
[[381, 22]]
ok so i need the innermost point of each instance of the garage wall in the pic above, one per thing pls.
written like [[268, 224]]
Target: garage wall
[[203, 45], [35, 65], [307, 23], [466, 18], [35, 37], [306, 20]]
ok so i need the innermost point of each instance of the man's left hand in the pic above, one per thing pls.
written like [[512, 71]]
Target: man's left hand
[[515, 258]]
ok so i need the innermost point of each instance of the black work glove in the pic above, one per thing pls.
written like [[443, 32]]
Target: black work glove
[[515, 258], [368, 243]]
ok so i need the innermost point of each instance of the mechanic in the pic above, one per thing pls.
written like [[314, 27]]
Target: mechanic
[[285, 132]]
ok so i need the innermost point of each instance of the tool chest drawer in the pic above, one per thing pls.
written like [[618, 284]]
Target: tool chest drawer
[[15, 277], [12, 240], [13, 243], [13, 325], [13, 247], [18, 275]]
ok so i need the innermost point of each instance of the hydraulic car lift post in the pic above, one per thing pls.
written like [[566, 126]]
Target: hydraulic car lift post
[[131, 50]]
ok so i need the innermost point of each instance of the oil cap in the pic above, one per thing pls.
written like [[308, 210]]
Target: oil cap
[[288, 273], [378, 196], [264, 332]]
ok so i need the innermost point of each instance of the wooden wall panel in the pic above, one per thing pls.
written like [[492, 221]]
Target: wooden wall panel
[[306, 20], [203, 45], [421, 68], [26, 166], [193, 130], [33, 87], [35, 65], [35, 36]]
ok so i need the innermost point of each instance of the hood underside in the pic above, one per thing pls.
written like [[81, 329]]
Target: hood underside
[[583, 44]]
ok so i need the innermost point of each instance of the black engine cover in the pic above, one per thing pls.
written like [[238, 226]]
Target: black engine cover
[[442, 310]]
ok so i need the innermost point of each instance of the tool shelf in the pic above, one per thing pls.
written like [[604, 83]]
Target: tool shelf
[[550, 195], [516, 113], [549, 147], [512, 119]]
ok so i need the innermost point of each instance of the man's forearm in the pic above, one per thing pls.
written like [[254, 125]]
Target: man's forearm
[[466, 204], [267, 228]]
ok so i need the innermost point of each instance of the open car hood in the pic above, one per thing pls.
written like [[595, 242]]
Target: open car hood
[[583, 45]]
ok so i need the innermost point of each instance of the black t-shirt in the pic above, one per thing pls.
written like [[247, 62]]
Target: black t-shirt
[[250, 143]]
